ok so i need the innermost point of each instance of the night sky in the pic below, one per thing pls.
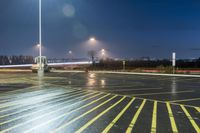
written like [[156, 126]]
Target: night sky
[[125, 28]]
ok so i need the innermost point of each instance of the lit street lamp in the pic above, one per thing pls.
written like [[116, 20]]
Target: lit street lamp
[[38, 46], [92, 52], [70, 55], [92, 39], [103, 53], [70, 52]]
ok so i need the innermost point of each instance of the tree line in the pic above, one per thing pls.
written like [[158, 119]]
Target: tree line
[[15, 60], [134, 64], [110, 63]]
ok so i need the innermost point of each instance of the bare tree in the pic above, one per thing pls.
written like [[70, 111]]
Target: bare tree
[[92, 55]]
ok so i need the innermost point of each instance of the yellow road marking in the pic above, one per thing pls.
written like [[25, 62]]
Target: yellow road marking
[[171, 117], [89, 111], [58, 117], [161, 93], [198, 109], [154, 118], [183, 100], [158, 101], [196, 127], [131, 125], [34, 94], [40, 105], [31, 99], [15, 92], [118, 117], [21, 124], [22, 116], [99, 115]]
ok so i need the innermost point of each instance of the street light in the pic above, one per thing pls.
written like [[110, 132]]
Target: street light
[[38, 46], [69, 55], [103, 53], [70, 52], [92, 52], [40, 34], [92, 39]]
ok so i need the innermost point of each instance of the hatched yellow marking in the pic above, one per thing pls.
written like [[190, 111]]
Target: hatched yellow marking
[[154, 118], [196, 127], [48, 113], [56, 118], [118, 117], [84, 114], [41, 105], [99, 115], [184, 100], [198, 109], [131, 125], [171, 117]]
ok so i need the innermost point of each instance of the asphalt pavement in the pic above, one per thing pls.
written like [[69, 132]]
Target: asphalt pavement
[[98, 102]]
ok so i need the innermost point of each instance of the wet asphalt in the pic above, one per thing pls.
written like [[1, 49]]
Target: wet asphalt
[[94, 103]]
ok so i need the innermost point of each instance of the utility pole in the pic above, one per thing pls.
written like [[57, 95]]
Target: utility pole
[[40, 33]]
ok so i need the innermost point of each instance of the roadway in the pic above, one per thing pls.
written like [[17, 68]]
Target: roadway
[[95, 102]]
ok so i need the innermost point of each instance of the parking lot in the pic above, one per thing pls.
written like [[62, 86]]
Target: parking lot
[[98, 102]]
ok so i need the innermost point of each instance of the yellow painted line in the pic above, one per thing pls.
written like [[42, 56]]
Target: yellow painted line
[[67, 113], [154, 118], [106, 130], [84, 114], [198, 109], [161, 93], [133, 121], [99, 115], [159, 101], [184, 100], [21, 106], [32, 94], [171, 117], [15, 92], [183, 105], [26, 122], [32, 99], [196, 127], [48, 113], [40, 105]]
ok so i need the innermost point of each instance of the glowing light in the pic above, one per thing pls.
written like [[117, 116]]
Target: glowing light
[[69, 10], [91, 75], [103, 83], [92, 39], [70, 52], [91, 82], [103, 52]]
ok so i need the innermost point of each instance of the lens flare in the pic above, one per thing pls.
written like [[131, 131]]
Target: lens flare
[[69, 10]]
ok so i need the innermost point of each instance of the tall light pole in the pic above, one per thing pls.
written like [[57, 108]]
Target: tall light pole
[[40, 33], [92, 52]]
